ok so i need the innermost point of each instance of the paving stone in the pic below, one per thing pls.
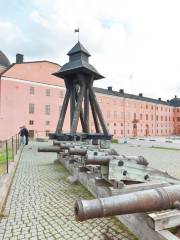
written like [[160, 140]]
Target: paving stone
[[40, 203]]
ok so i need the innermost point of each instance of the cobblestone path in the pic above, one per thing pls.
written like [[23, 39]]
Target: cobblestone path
[[40, 204]]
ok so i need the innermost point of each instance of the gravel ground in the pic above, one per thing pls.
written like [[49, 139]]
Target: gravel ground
[[167, 160]]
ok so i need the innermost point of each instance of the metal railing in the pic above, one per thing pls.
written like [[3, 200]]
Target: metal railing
[[8, 150]]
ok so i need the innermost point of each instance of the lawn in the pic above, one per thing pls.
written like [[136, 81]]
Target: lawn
[[3, 160]]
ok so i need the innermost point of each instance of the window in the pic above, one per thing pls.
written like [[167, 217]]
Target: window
[[122, 132], [47, 133], [108, 114], [114, 124], [48, 92], [47, 109], [161, 118], [140, 116], [134, 115], [121, 124], [47, 123], [114, 131], [146, 106], [31, 133], [31, 122], [115, 115], [146, 116], [100, 100], [61, 94], [152, 107], [178, 119], [157, 118], [31, 90], [31, 108], [152, 117]]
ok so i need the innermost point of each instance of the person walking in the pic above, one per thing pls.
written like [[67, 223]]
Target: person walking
[[22, 135], [26, 133]]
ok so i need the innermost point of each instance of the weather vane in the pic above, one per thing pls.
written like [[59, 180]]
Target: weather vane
[[77, 31]]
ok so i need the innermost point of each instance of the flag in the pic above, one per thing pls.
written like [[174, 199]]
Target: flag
[[130, 77], [76, 30]]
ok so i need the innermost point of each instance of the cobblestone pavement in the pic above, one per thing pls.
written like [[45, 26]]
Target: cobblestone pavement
[[40, 204], [162, 159]]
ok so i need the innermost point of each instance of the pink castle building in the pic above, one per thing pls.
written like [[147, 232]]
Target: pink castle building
[[30, 95]]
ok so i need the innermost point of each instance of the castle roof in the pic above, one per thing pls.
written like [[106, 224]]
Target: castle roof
[[4, 61]]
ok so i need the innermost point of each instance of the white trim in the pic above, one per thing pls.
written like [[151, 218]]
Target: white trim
[[31, 82]]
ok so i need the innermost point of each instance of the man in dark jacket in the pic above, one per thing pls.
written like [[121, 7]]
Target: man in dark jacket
[[26, 133], [22, 135]]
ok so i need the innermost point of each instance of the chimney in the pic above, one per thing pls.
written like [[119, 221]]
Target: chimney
[[175, 96], [121, 90], [168, 101], [140, 94], [159, 99], [109, 88], [19, 58]]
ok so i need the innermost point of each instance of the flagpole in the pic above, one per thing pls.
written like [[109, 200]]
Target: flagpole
[[77, 31]]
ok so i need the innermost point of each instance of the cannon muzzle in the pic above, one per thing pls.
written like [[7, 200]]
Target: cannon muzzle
[[141, 201], [49, 149]]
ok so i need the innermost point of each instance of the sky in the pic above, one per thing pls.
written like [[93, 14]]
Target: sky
[[135, 44]]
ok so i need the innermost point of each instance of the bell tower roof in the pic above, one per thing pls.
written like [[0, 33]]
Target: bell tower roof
[[78, 62]]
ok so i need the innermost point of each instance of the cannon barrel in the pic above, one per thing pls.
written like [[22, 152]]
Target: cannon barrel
[[97, 160], [141, 201], [49, 149], [92, 150], [77, 151], [104, 159]]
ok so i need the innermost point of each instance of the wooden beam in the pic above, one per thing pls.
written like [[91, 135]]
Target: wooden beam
[[164, 220], [96, 123], [86, 109], [77, 109], [63, 112], [98, 111], [167, 235]]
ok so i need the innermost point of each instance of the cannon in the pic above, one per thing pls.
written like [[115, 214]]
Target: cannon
[[142, 201], [56, 149], [104, 160], [69, 143], [92, 150]]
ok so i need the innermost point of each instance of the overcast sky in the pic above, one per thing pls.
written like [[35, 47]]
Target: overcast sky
[[135, 44]]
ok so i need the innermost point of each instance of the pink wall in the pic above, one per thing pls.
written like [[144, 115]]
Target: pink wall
[[119, 113]]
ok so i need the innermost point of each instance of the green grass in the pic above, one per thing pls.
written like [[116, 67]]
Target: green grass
[[165, 148], [3, 160], [3, 156], [114, 141]]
